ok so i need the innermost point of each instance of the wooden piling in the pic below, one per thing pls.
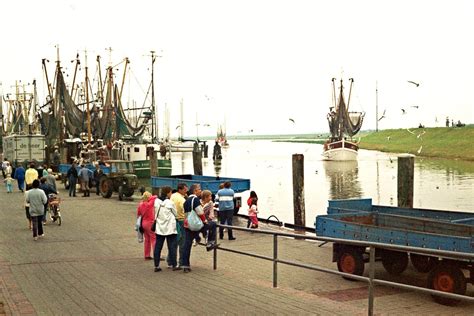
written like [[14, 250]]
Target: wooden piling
[[197, 159], [406, 169], [153, 162], [298, 192]]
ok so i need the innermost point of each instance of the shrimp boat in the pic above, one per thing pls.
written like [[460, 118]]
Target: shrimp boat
[[343, 125]]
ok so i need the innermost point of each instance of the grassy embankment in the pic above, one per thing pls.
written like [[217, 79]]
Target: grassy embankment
[[441, 142]]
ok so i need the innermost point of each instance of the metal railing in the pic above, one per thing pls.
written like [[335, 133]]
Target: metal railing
[[371, 280]]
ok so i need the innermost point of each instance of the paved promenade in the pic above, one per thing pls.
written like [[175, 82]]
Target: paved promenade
[[92, 264]]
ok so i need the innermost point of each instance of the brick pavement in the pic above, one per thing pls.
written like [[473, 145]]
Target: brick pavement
[[92, 264]]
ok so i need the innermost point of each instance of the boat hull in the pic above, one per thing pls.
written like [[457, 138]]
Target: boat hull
[[340, 150], [142, 168]]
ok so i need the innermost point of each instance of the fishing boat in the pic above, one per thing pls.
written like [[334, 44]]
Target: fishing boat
[[343, 125], [221, 137]]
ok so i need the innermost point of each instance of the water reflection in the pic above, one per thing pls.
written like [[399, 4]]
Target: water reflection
[[343, 179]]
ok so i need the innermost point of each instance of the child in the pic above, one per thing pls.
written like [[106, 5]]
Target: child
[[9, 182], [253, 214]]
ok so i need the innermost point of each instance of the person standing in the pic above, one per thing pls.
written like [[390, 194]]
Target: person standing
[[47, 189], [30, 175], [20, 177], [36, 199], [8, 169], [165, 228], [98, 173], [178, 198], [209, 229], [9, 183], [216, 153], [72, 178], [146, 209], [193, 202], [226, 209], [85, 174]]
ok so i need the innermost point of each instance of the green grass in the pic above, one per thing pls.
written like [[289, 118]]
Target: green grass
[[441, 142]]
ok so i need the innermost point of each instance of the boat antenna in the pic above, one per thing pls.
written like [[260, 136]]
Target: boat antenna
[[87, 100], [334, 93], [350, 90]]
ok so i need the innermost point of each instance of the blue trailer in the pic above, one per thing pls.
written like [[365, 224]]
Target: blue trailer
[[207, 183], [359, 219]]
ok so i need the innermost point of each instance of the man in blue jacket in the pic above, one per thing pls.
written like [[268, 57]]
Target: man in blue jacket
[[226, 209]]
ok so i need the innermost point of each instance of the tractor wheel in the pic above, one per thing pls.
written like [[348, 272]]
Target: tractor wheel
[[106, 187]]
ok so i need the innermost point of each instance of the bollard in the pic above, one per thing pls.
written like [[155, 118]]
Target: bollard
[[197, 160], [153, 162], [298, 192], [406, 168]]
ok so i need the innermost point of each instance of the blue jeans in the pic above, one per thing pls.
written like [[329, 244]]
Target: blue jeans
[[72, 186], [179, 243], [188, 242], [225, 218], [171, 243]]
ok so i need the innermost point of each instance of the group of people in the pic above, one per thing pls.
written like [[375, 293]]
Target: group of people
[[86, 177], [169, 216]]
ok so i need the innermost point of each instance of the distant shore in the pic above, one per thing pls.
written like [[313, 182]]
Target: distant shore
[[438, 142]]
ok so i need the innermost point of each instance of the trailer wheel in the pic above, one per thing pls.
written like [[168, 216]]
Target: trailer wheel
[[423, 263], [447, 277], [350, 261], [395, 262]]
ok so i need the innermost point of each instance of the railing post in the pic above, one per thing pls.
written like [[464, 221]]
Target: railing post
[[371, 279], [275, 258], [214, 259]]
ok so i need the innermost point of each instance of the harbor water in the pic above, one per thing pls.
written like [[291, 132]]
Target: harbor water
[[438, 184]]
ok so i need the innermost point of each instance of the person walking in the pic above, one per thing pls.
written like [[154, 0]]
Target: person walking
[[98, 173], [178, 198], [9, 183], [30, 175], [226, 209], [146, 209], [36, 199], [193, 202], [252, 212], [72, 178], [165, 228], [20, 177]]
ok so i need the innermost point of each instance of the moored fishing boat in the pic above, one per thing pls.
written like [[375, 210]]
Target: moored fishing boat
[[342, 125]]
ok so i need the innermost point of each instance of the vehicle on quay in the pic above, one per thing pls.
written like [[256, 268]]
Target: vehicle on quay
[[450, 231], [121, 179]]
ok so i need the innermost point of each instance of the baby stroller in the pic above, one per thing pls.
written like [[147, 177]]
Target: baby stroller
[[54, 210]]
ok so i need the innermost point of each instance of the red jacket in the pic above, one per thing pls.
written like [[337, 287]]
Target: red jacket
[[147, 209]]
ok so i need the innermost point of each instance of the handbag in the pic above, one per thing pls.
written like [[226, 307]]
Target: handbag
[[153, 226], [195, 223]]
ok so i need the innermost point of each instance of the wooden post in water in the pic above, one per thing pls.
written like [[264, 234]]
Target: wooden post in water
[[406, 168], [153, 162], [298, 192], [197, 159]]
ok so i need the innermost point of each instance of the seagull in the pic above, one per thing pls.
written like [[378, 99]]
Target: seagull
[[415, 106], [383, 115], [178, 126], [292, 120], [416, 84], [403, 111]]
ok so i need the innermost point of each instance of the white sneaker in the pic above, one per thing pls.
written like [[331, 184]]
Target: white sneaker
[[195, 243]]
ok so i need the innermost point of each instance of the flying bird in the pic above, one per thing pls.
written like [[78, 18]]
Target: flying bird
[[292, 120], [383, 115], [416, 84], [178, 126], [415, 106], [403, 111]]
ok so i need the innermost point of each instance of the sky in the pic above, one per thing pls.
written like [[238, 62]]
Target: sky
[[254, 64]]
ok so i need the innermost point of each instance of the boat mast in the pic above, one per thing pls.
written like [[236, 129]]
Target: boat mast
[[181, 127], [2, 131], [350, 91], [154, 123], [101, 87], [376, 107], [74, 78], [87, 99]]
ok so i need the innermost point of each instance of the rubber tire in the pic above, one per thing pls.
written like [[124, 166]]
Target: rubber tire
[[106, 187], [394, 262], [423, 264], [447, 277], [120, 193], [351, 261], [129, 193]]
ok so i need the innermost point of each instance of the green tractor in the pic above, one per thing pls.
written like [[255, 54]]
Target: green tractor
[[121, 179]]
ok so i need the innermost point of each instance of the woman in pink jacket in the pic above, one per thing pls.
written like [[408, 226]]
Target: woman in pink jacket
[[147, 211]]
